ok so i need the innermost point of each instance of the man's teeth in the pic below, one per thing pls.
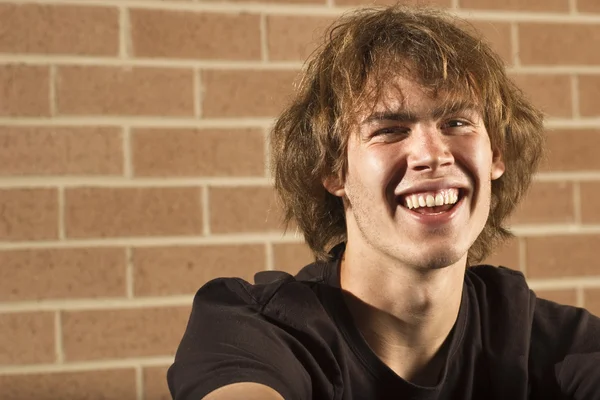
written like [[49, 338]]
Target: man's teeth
[[446, 196]]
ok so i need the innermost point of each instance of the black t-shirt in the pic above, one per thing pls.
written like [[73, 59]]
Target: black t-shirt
[[297, 336]]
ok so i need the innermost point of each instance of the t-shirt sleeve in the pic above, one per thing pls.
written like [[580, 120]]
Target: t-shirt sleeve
[[229, 340], [576, 338]]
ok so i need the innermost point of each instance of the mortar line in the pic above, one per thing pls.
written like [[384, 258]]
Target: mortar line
[[157, 62], [212, 240], [97, 304], [121, 181], [197, 87], [129, 273], [269, 256], [205, 204], [86, 366], [573, 7], [158, 122], [127, 152], [577, 202], [61, 213], [124, 35], [304, 9], [514, 42], [580, 296], [52, 90], [139, 382], [575, 96], [264, 44], [67, 182], [216, 123], [68, 60], [568, 282], [58, 341]]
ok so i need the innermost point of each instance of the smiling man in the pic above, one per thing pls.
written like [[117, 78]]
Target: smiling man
[[404, 150]]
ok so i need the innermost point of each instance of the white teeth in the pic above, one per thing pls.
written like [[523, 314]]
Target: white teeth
[[439, 200], [444, 196], [430, 200]]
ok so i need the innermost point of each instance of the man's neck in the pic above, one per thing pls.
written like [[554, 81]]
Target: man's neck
[[404, 314]]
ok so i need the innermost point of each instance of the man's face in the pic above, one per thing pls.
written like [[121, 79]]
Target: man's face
[[418, 182]]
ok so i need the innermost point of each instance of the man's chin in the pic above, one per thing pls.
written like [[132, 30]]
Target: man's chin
[[440, 260]]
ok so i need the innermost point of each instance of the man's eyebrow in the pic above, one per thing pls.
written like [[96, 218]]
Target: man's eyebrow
[[388, 115], [406, 116]]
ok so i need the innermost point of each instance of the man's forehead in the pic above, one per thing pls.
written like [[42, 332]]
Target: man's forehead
[[423, 103], [405, 90]]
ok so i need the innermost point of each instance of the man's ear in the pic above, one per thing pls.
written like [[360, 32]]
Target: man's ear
[[498, 166], [335, 186]]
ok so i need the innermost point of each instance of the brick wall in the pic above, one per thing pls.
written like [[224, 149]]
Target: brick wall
[[132, 165]]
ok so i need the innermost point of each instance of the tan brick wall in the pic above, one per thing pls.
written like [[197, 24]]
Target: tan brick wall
[[133, 170]]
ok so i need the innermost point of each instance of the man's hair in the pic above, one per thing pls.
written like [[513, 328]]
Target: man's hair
[[361, 54]]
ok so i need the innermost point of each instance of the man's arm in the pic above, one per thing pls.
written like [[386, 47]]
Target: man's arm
[[228, 341], [245, 391]]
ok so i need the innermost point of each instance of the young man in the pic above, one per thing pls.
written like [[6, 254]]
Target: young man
[[403, 152]]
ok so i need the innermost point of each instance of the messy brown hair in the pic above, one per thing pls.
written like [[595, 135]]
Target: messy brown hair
[[360, 54]]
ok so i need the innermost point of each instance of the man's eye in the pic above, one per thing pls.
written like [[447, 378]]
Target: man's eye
[[455, 123], [390, 131]]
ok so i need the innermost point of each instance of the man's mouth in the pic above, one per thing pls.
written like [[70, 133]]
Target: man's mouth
[[431, 202]]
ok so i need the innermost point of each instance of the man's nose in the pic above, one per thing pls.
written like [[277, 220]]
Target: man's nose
[[428, 150]]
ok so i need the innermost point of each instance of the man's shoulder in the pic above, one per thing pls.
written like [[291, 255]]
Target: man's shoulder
[[499, 286], [497, 275], [270, 289]]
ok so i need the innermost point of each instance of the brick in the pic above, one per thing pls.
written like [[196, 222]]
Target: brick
[[104, 212], [28, 214], [243, 210], [546, 202], [115, 334], [185, 34], [163, 271], [87, 385], [592, 300], [25, 90], [498, 36], [552, 93], [591, 6], [291, 257], [517, 5], [436, 3], [155, 383], [52, 29], [559, 43], [62, 273], [506, 255], [204, 152], [590, 198], [293, 38], [60, 151], [83, 90], [560, 296], [589, 87], [246, 93], [27, 338], [572, 150], [321, 2], [561, 255]]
